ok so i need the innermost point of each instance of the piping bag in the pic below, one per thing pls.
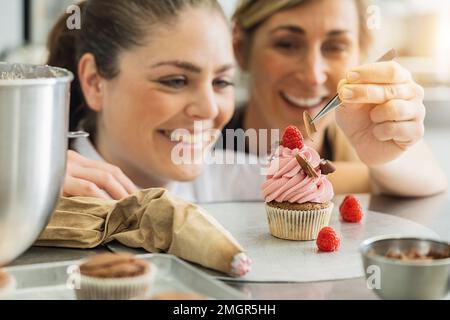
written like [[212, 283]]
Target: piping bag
[[151, 219]]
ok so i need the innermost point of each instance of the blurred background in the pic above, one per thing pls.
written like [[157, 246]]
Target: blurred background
[[418, 29]]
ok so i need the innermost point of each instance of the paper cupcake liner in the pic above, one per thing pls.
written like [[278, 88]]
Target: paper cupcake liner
[[297, 224], [92, 288]]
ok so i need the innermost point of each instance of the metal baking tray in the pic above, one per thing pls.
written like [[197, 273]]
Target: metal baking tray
[[49, 281]]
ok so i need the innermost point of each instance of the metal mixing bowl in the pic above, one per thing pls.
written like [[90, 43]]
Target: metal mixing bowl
[[411, 279], [34, 115]]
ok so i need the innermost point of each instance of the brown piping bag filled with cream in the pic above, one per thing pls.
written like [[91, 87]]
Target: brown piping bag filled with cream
[[151, 219]]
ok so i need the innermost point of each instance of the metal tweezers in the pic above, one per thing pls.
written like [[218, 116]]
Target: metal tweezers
[[336, 101]]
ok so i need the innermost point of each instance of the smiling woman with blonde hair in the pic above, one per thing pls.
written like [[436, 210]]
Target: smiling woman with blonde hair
[[297, 54]]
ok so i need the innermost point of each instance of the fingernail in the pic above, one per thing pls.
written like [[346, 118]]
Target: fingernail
[[347, 93], [353, 76]]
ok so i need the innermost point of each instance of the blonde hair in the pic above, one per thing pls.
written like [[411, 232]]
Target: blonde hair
[[252, 13]]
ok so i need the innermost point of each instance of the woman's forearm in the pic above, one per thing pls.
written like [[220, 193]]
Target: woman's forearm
[[416, 173], [350, 177]]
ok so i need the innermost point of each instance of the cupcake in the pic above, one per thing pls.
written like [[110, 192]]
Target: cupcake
[[112, 276], [297, 192], [7, 285]]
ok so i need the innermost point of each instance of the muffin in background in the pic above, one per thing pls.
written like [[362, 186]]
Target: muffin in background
[[113, 276]]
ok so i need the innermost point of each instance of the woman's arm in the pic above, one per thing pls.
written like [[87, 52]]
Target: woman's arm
[[415, 173]]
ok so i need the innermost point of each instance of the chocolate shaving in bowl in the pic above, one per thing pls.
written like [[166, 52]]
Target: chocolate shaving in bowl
[[414, 254], [309, 126], [306, 167], [326, 167]]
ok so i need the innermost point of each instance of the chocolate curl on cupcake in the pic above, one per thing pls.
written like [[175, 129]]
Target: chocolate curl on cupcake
[[310, 171], [326, 167], [151, 219]]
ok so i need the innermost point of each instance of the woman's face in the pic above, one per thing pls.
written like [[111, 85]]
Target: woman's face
[[182, 76], [297, 58]]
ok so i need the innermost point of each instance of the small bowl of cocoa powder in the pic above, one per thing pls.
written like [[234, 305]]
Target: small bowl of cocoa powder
[[407, 267]]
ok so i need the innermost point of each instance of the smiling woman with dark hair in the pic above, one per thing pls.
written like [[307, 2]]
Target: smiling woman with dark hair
[[144, 70]]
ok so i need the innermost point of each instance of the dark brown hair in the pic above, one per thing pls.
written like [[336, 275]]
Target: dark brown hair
[[109, 27]]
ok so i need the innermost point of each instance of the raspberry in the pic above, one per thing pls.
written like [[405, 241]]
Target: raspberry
[[327, 240], [350, 209], [292, 138]]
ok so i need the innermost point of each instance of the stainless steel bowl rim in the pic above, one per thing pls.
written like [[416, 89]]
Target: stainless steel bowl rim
[[66, 76], [437, 262]]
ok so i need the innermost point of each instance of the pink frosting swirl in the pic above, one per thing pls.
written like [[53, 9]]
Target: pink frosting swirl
[[287, 181]]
